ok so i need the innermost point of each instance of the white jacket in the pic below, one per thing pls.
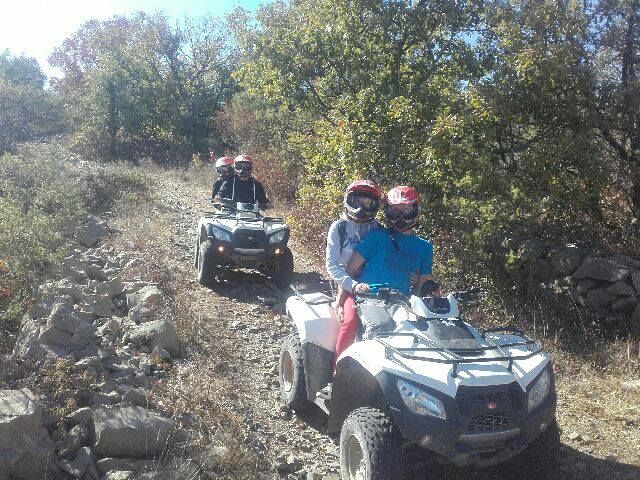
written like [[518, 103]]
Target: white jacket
[[338, 256]]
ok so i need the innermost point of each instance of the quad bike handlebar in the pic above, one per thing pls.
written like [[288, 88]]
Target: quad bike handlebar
[[392, 295], [233, 206]]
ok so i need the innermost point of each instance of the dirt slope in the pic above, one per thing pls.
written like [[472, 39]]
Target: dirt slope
[[228, 379]]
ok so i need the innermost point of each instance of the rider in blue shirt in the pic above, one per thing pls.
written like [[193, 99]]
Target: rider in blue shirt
[[392, 257]]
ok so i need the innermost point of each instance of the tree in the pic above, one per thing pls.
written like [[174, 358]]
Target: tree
[[616, 99], [27, 110], [142, 87]]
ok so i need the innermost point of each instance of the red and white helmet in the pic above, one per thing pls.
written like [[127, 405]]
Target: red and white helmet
[[243, 165], [402, 207], [224, 166], [361, 200]]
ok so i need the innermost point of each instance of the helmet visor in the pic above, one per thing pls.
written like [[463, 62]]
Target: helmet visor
[[401, 211], [224, 169], [366, 202], [243, 168]]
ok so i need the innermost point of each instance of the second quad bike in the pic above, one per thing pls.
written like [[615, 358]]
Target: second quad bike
[[419, 378], [238, 235]]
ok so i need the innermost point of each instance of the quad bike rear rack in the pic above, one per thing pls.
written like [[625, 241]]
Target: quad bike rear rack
[[457, 355]]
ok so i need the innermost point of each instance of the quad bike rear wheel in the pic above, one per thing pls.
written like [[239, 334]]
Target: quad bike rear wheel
[[283, 269], [370, 446], [206, 264], [293, 389]]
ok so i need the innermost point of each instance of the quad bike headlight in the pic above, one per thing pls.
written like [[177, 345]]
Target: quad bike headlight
[[539, 391], [278, 237], [219, 233], [419, 401]]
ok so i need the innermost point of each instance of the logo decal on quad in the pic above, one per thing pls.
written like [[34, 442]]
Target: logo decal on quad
[[492, 405]]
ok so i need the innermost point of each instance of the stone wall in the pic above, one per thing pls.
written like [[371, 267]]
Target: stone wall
[[603, 286]]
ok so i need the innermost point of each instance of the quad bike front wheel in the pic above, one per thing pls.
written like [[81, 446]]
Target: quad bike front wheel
[[283, 269], [370, 446], [293, 389], [206, 264]]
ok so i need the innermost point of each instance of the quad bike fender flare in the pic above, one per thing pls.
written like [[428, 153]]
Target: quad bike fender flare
[[353, 387], [311, 316], [203, 232]]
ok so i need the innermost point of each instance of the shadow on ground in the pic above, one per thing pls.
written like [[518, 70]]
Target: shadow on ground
[[572, 464]]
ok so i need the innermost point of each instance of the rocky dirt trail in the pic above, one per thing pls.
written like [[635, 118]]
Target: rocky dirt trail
[[233, 335], [238, 337]]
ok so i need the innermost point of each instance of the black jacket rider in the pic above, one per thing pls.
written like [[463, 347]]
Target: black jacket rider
[[217, 185], [246, 191]]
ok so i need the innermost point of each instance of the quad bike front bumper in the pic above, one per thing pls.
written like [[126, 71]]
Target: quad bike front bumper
[[229, 253], [484, 425]]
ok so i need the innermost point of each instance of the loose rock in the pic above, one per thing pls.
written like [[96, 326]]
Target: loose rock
[[130, 432]]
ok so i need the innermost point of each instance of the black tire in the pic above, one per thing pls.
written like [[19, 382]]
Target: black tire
[[206, 264], [283, 269], [293, 388], [370, 446]]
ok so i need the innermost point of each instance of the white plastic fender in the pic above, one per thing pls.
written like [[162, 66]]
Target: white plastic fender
[[312, 317]]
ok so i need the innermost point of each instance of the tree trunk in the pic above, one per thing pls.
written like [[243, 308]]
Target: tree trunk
[[112, 126]]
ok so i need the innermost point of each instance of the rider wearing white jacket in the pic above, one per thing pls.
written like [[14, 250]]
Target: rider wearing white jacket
[[361, 203], [344, 235]]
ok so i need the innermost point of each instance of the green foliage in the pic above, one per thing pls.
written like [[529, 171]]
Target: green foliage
[[27, 111], [40, 203], [139, 86], [496, 111]]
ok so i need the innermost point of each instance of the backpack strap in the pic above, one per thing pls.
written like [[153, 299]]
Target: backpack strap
[[342, 233]]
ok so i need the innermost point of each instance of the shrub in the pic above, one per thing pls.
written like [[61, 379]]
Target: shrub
[[39, 204]]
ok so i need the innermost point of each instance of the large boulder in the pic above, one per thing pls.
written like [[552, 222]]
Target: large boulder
[[621, 289], [150, 295], [130, 432], [64, 287], [99, 305], [601, 269], [624, 305], [25, 447], [142, 313], [81, 466], [566, 261], [530, 249], [158, 333], [91, 232], [541, 270], [598, 298], [63, 331], [111, 288]]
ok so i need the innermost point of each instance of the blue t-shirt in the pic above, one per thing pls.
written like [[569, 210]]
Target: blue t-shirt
[[384, 264]]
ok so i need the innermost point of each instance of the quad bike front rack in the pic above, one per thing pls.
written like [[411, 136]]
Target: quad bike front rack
[[457, 356]]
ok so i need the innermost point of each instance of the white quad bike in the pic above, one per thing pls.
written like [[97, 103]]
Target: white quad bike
[[420, 378], [238, 235]]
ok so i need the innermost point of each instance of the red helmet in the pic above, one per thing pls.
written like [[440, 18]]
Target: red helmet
[[402, 207], [224, 166], [243, 164], [361, 200]]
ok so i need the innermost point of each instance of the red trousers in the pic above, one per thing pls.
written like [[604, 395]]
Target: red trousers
[[348, 326]]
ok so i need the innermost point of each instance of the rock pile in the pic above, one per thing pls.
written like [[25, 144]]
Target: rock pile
[[113, 331], [606, 286]]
